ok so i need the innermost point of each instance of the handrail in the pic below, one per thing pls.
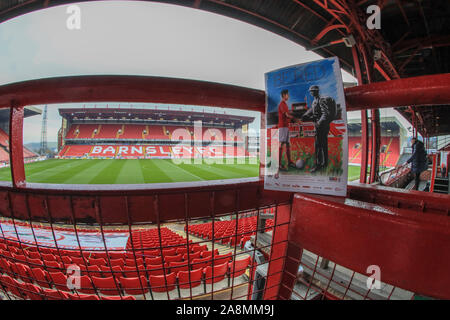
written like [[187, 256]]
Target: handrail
[[388, 177], [433, 172]]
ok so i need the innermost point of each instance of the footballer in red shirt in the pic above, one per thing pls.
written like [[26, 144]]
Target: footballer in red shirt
[[283, 130]]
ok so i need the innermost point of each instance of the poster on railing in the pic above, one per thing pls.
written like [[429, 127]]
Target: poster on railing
[[306, 149]]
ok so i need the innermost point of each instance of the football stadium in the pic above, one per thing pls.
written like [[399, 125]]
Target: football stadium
[[168, 202], [131, 146]]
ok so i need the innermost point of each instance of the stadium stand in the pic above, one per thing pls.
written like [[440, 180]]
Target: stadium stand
[[148, 151], [142, 270], [109, 134], [389, 155], [4, 148], [225, 231]]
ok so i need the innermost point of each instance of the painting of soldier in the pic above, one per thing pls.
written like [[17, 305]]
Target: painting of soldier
[[306, 147]]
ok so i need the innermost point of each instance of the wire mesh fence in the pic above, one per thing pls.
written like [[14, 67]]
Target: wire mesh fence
[[210, 257]]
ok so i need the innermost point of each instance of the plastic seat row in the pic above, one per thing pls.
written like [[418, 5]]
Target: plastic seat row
[[122, 285]]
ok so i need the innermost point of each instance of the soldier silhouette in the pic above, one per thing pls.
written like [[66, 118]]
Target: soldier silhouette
[[322, 115]]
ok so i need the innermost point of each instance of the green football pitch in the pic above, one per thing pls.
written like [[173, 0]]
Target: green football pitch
[[353, 172], [100, 171]]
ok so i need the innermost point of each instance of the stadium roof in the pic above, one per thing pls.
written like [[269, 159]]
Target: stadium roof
[[414, 38], [28, 112], [155, 114]]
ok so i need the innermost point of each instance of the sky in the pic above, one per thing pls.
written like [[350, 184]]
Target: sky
[[137, 38]]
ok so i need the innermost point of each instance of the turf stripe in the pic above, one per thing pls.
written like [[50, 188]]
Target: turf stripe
[[52, 168], [84, 176], [152, 173], [176, 173], [109, 173], [130, 173], [63, 176], [209, 173]]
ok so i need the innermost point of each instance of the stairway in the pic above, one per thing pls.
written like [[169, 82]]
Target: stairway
[[441, 185]]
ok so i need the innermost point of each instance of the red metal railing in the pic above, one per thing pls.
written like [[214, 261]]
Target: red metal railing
[[389, 177], [350, 233], [433, 171]]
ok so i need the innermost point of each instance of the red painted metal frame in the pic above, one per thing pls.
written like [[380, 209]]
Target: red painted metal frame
[[16, 146], [364, 131], [417, 91], [409, 247], [375, 152], [156, 205], [426, 202], [122, 202], [433, 172], [103, 88]]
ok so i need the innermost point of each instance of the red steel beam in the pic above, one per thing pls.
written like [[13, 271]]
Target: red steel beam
[[417, 91], [364, 132], [16, 146], [375, 152], [326, 30], [105, 88], [361, 235]]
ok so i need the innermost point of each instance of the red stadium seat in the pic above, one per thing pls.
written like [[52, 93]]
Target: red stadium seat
[[176, 258], [206, 254], [220, 259], [117, 262], [157, 269], [94, 270], [106, 286], [190, 279], [192, 256], [153, 261], [24, 272], [83, 297], [12, 285], [20, 258], [51, 294], [118, 298], [116, 255], [41, 277], [169, 252], [152, 253], [133, 286], [86, 285], [133, 262], [32, 292], [117, 271], [132, 272], [35, 262], [199, 248], [59, 280], [97, 261], [79, 261], [48, 257], [66, 260], [178, 266], [34, 255], [201, 263], [52, 266], [163, 283], [238, 267], [219, 273]]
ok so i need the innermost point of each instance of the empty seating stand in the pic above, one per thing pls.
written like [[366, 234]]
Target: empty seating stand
[[148, 272]]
